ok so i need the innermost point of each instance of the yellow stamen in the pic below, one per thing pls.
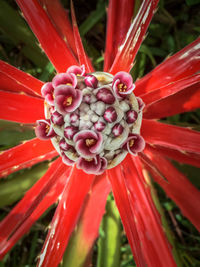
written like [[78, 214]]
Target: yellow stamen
[[90, 142], [122, 87], [68, 84], [91, 159], [68, 101], [47, 129], [131, 142]]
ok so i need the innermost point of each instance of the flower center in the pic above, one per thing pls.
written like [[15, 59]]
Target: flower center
[[94, 124], [68, 101], [90, 142], [122, 87]]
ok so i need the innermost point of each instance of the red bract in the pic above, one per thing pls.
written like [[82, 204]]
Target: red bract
[[171, 88]]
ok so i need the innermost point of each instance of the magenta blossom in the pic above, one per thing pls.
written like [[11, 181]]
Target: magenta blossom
[[91, 81], [57, 118], [88, 143], [134, 144], [66, 159], [67, 98], [44, 129], [123, 84], [96, 165], [104, 94], [64, 79], [76, 70], [47, 91]]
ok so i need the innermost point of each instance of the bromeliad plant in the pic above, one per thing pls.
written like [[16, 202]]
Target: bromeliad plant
[[98, 123]]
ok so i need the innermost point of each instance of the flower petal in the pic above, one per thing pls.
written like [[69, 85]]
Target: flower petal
[[65, 217], [119, 17], [174, 184], [83, 59], [16, 80], [25, 155], [155, 247], [36, 201], [135, 35], [171, 136], [186, 61], [20, 108], [181, 156], [53, 45], [123, 203], [60, 18]]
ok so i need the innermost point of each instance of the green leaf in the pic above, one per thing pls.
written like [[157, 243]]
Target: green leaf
[[13, 189], [109, 243]]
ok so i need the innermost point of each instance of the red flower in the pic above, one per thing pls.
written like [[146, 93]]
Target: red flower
[[171, 88]]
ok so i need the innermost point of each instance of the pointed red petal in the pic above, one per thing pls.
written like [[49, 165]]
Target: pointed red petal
[[20, 108], [184, 101], [175, 184], [25, 155], [83, 59], [181, 156], [156, 249], [184, 63], [40, 197], [60, 18], [171, 136], [16, 80], [128, 50], [65, 217], [171, 89], [87, 229], [53, 45], [122, 198], [119, 16]]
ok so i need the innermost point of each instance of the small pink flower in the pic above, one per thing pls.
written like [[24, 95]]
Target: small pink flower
[[78, 71], [117, 129], [57, 118], [64, 79], [66, 160], [131, 116], [88, 143], [122, 84], [140, 103], [91, 81], [67, 98], [44, 130], [110, 114], [47, 91], [99, 126], [134, 144], [105, 95], [70, 131], [94, 165], [64, 145], [74, 117]]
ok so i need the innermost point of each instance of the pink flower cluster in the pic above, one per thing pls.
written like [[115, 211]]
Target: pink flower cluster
[[93, 119]]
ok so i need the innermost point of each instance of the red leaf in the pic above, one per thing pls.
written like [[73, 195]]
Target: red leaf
[[155, 247], [154, 96], [181, 156], [25, 155], [171, 136], [60, 18], [83, 59], [65, 217], [175, 184], [120, 13], [54, 46], [184, 63], [184, 101], [122, 198], [20, 108], [128, 50], [36, 201], [16, 80]]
